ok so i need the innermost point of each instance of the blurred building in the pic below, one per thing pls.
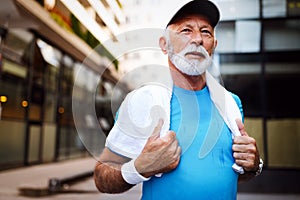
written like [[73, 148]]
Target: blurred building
[[258, 52], [48, 50], [44, 46]]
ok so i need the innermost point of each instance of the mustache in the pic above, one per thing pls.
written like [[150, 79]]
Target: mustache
[[195, 50]]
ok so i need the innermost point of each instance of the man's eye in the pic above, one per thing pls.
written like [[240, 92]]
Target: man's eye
[[186, 30], [205, 31]]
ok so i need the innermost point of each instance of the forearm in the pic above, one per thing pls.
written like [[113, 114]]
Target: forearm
[[108, 178]]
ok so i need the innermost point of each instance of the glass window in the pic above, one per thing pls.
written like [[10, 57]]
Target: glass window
[[51, 77], [67, 61], [50, 107], [247, 36], [13, 90], [241, 75], [282, 35], [67, 81], [76, 146], [283, 151], [65, 111], [225, 34], [238, 36], [92, 80], [70, 143], [282, 80], [17, 40], [254, 127], [51, 85], [12, 142], [274, 8], [64, 144], [12, 69], [79, 71], [35, 112], [49, 53], [293, 7], [85, 77], [67, 76], [238, 9]]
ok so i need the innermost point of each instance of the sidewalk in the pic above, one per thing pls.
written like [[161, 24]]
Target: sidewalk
[[33, 183], [34, 180]]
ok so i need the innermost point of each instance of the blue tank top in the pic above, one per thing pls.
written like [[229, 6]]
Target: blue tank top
[[204, 171]]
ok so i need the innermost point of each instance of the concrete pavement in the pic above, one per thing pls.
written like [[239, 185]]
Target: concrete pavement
[[33, 183], [35, 180]]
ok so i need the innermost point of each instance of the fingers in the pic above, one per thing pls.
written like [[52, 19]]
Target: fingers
[[171, 143], [244, 140], [241, 127], [174, 147], [157, 129], [244, 144], [244, 148], [175, 159], [178, 152], [159, 156], [173, 165], [169, 137], [247, 160], [243, 156], [245, 152]]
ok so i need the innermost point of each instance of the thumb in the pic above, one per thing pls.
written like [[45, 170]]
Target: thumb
[[156, 131], [241, 127]]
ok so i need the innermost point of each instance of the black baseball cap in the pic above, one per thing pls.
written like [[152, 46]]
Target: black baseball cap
[[201, 7]]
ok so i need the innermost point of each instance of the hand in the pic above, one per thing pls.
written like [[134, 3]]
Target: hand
[[160, 154], [245, 150]]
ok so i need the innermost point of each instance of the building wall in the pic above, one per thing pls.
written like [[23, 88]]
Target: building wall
[[37, 83]]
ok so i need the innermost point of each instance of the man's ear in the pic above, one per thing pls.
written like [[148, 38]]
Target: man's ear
[[163, 44], [215, 44]]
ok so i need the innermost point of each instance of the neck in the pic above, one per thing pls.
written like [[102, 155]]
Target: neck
[[186, 81]]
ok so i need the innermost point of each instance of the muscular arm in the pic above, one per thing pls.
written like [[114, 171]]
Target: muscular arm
[[107, 173], [160, 155]]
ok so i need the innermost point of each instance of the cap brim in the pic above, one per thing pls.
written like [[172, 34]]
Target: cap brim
[[200, 7]]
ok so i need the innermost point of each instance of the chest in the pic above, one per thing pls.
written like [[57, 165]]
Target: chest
[[198, 125]]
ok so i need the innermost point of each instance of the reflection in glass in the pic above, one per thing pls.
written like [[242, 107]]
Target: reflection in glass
[[282, 35], [274, 8]]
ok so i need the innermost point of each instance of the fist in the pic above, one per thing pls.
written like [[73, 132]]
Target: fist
[[245, 151], [160, 154]]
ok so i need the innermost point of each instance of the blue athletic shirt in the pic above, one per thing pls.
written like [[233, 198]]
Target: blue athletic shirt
[[205, 169]]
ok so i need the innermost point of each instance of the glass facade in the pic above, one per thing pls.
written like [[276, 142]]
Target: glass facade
[[258, 55], [36, 86]]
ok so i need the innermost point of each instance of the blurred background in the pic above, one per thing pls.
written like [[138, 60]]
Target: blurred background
[[45, 43]]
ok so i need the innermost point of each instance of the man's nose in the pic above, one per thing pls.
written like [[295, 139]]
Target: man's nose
[[197, 38]]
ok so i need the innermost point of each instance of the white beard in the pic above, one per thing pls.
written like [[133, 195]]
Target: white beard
[[191, 67]]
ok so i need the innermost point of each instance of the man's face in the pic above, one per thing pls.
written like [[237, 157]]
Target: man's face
[[190, 44]]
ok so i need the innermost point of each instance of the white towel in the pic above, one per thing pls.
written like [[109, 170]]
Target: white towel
[[136, 121]]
